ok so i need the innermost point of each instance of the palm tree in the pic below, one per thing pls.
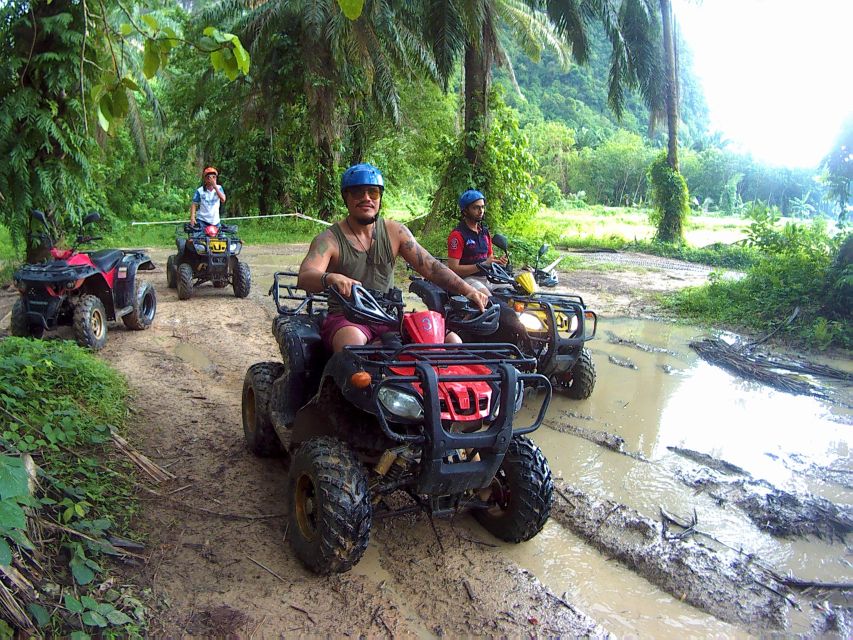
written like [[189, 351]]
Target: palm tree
[[347, 67]]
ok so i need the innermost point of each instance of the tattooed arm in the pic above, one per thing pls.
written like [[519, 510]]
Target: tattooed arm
[[433, 270], [323, 248]]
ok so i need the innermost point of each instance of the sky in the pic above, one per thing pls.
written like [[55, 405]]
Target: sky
[[777, 74]]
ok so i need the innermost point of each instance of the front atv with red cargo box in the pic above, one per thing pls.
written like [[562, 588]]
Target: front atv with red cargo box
[[412, 414]]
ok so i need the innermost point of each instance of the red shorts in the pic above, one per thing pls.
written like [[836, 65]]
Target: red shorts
[[336, 321]]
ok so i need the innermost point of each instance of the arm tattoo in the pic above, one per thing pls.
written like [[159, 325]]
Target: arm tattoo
[[319, 246], [441, 275], [407, 240]]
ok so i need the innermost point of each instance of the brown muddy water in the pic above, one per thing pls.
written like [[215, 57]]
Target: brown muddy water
[[668, 398], [673, 398]]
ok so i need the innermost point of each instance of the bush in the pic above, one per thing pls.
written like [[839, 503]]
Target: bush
[[670, 199], [58, 403]]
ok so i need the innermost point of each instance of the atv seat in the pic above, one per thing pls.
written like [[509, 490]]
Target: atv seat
[[228, 228], [433, 297], [106, 259]]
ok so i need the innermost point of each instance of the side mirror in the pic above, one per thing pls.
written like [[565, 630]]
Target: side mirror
[[500, 241], [38, 215], [93, 216], [543, 250]]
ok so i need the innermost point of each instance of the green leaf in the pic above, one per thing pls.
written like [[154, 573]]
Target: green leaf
[[11, 515], [39, 613], [118, 618], [72, 603], [151, 59], [351, 8], [242, 56], [151, 21], [217, 60], [209, 31], [19, 538], [126, 29], [82, 574], [103, 120], [129, 83], [5, 553], [94, 619], [89, 602], [13, 478], [80, 635]]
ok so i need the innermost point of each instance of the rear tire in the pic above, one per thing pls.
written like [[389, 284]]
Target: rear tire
[[242, 276], [144, 307], [580, 380], [521, 492], [185, 281], [172, 272], [90, 323], [329, 506], [258, 430]]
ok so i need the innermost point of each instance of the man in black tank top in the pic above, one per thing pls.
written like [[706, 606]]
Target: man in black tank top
[[362, 249]]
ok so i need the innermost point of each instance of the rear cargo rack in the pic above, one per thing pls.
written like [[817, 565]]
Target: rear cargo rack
[[281, 291]]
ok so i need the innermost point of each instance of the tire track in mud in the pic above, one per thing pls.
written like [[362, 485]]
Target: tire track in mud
[[220, 575]]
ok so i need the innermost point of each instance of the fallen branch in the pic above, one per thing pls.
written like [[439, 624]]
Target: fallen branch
[[267, 569], [227, 516], [157, 473]]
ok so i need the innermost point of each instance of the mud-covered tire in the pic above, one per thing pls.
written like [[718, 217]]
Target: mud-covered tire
[[329, 506], [185, 282], [90, 322], [242, 279], [18, 324], [172, 272], [144, 307], [580, 381], [521, 492], [258, 430]]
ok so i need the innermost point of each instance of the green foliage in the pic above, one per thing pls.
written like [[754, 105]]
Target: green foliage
[[57, 403], [726, 256], [503, 173], [839, 171], [670, 199], [613, 173], [794, 269]]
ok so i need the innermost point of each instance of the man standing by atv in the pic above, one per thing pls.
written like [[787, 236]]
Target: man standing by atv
[[362, 249], [469, 246], [206, 199], [470, 243]]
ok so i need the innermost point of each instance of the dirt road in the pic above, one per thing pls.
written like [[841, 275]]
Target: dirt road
[[219, 564]]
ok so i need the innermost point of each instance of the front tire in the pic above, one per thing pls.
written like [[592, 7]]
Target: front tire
[[172, 272], [521, 494], [185, 281], [19, 325], [580, 380], [329, 506], [258, 430], [242, 276], [144, 308], [90, 323]]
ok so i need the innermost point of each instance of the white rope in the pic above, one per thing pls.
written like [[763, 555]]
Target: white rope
[[227, 220]]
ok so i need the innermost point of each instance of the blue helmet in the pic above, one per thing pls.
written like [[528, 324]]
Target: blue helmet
[[472, 195], [361, 175]]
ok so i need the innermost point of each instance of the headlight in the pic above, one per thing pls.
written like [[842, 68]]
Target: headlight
[[531, 322], [234, 247], [400, 403], [199, 247]]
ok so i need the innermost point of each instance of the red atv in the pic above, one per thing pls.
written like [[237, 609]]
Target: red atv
[[434, 420], [83, 289]]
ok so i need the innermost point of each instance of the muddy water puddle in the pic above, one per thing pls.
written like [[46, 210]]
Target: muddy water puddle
[[673, 399]]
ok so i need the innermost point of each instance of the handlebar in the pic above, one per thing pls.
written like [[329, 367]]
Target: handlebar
[[366, 306]]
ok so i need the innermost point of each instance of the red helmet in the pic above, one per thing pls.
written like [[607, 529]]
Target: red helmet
[[210, 170]]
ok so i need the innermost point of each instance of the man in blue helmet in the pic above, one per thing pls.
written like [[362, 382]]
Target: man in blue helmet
[[470, 243], [362, 249]]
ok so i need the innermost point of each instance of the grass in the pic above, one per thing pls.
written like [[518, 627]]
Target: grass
[[57, 405]]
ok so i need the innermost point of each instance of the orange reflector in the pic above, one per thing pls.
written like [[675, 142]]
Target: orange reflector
[[518, 306], [360, 379]]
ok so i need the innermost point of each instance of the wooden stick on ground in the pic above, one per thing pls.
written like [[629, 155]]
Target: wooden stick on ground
[[155, 472]]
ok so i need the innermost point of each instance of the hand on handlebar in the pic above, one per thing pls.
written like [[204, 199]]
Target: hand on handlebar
[[501, 261], [341, 283], [480, 299]]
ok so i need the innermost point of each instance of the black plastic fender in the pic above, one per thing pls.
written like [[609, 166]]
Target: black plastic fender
[[304, 356]]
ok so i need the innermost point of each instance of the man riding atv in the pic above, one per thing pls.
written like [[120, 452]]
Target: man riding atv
[[362, 249]]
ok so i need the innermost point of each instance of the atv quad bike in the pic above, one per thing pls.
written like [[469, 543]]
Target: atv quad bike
[[83, 289], [558, 324], [433, 420], [208, 253]]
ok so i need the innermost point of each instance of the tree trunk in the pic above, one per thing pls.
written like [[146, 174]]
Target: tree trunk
[[671, 84], [478, 78]]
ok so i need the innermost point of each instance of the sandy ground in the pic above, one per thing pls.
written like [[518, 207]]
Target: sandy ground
[[218, 562]]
